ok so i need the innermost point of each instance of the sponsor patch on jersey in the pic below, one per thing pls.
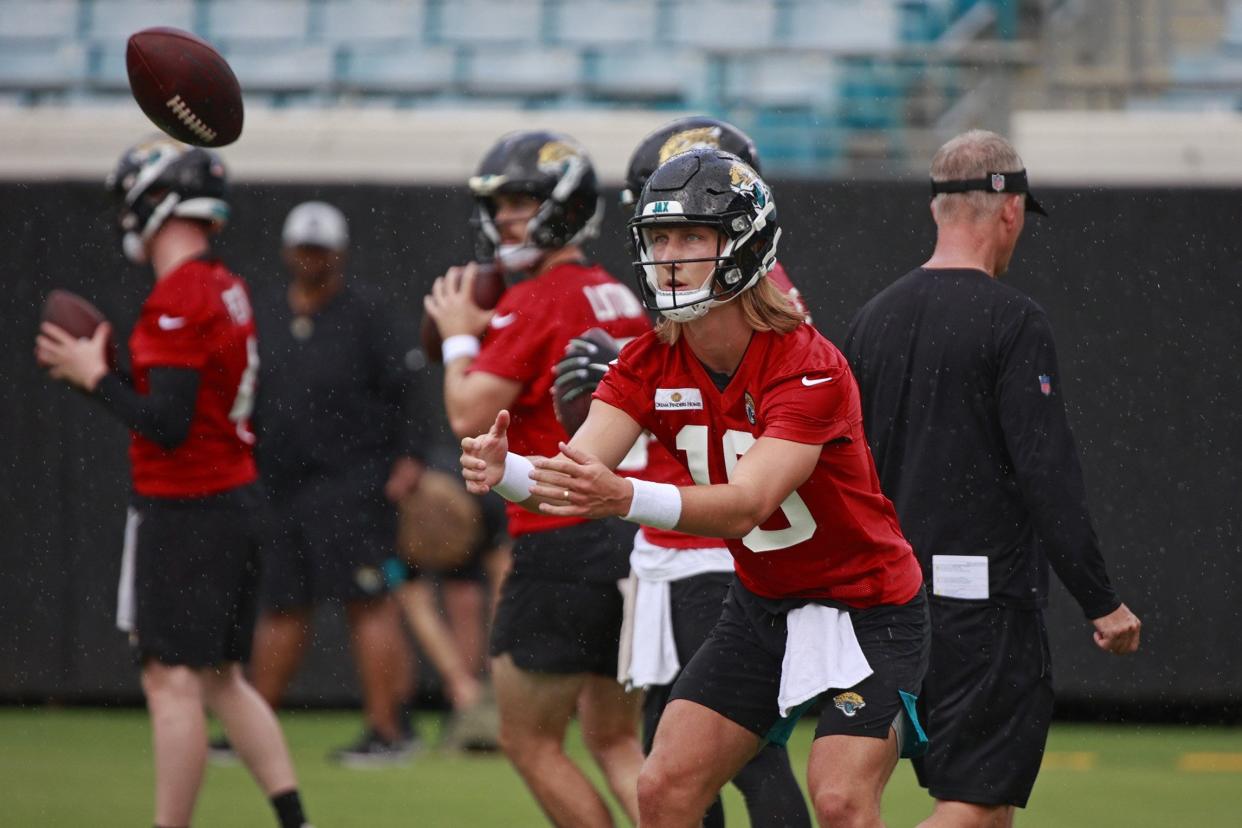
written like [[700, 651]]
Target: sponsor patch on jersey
[[678, 399], [848, 703]]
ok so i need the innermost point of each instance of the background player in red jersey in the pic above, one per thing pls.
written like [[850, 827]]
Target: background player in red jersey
[[188, 578], [763, 412], [556, 629]]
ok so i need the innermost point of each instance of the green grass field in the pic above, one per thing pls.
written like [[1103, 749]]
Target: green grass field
[[92, 767]]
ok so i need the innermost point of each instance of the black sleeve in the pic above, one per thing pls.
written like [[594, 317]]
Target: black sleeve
[[1046, 464], [162, 415], [391, 345]]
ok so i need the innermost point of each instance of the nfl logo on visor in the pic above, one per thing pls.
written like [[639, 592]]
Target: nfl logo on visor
[[998, 182]]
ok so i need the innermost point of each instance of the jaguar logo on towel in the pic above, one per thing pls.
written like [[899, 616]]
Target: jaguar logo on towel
[[849, 703]]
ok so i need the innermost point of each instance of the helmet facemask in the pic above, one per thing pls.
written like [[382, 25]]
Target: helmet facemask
[[736, 267]]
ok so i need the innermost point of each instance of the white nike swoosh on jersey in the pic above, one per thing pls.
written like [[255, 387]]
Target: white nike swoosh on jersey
[[808, 381], [170, 323], [504, 321]]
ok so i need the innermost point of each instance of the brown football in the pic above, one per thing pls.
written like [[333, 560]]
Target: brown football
[[78, 317], [184, 86], [489, 286]]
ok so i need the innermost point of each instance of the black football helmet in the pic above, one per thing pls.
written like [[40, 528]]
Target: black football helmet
[[159, 178], [551, 167], [675, 137], [717, 189]]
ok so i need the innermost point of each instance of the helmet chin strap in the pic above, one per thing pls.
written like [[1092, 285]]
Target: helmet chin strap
[[134, 244], [134, 248], [517, 258]]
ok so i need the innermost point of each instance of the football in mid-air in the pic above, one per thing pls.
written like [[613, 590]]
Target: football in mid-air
[[78, 317], [184, 86], [489, 286]]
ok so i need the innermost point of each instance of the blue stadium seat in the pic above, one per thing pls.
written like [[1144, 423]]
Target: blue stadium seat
[[372, 21], [109, 23], [475, 22], [289, 68], [35, 67], [872, 94], [46, 20], [239, 21], [107, 67], [399, 70], [522, 71], [1215, 69], [1232, 39], [651, 75], [723, 24], [604, 22], [801, 80], [113, 21], [843, 25]]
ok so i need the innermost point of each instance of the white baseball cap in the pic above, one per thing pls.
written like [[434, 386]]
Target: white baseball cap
[[316, 223]]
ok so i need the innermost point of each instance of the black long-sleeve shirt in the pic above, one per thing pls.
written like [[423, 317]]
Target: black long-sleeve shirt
[[162, 415], [962, 407], [335, 393]]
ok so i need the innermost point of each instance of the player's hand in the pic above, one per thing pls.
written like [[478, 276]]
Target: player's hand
[[1118, 632], [577, 484], [451, 303], [403, 479], [81, 363], [483, 457]]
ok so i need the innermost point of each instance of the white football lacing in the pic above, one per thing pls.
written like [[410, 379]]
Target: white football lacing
[[191, 121]]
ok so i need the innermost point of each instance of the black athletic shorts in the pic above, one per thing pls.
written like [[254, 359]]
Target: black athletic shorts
[[986, 703], [321, 549], [562, 626], [696, 605], [737, 671], [189, 577]]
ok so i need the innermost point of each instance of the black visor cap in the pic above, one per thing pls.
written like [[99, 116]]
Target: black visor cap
[[993, 182]]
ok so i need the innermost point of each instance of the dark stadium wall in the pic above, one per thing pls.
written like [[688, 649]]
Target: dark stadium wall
[[1142, 287]]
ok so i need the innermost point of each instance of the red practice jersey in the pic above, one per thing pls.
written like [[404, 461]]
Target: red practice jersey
[[836, 536], [664, 468], [199, 317], [534, 321]]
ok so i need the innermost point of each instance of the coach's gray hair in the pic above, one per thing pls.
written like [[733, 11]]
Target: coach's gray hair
[[972, 154]]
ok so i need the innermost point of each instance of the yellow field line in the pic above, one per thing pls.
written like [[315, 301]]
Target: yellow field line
[[1210, 762], [1079, 760]]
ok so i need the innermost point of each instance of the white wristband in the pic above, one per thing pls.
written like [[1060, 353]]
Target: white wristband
[[458, 346], [516, 484], [657, 505]]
